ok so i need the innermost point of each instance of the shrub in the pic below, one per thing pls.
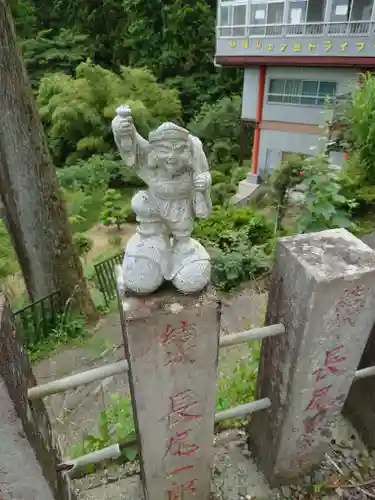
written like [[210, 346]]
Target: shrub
[[241, 243], [113, 213], [221, 193], [218, 177], [83, 244], [230, 269], [228, 221], [324, 206]]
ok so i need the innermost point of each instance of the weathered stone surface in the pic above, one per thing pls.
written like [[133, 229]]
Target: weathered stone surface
[[323, 291], [173, 363], [27, 457]]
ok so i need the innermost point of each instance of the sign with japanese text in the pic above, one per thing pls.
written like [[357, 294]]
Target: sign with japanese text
[[307, 47], [173, 363]]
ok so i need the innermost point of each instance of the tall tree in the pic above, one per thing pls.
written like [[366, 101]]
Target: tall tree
[[36, 215]]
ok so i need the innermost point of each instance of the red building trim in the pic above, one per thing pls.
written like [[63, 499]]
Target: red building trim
[[258, 119], [336, 61]]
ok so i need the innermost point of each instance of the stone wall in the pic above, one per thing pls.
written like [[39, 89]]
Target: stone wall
[[28, 458]]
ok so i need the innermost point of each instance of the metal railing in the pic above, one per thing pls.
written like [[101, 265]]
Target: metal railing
[[83, 378], [36, 320], [114, 451], [350, 28], [105, 274]]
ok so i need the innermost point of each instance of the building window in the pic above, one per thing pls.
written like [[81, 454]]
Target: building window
[[233, 16], [266, 17], [304, 92]]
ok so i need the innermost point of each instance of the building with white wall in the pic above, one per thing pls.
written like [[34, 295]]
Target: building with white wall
[[296, 55]]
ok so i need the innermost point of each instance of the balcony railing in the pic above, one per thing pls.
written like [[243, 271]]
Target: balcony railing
[[351, 28]]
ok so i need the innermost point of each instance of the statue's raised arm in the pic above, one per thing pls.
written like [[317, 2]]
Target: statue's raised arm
[[132, 147]]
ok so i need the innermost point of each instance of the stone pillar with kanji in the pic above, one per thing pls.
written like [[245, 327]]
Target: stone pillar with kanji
[[171, 343], [323, 291]]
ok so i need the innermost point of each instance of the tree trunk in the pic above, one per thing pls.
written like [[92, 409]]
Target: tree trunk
[[36, 215]]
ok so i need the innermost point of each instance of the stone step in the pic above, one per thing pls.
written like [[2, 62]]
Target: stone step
[[244, 191]]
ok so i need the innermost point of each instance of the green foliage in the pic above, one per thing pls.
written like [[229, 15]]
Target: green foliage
[[221, 193], [76, 111], [67, 329], [225, 179], [44, 328], [113, 213], [25, 17], [241, 242], [360, 130], [355, 117], [323, 206], [115, 425], [49, 52], [218, 126], [8, 259], [218, 229], [238, 387], [77, 203], [98, 172], [83, 244], [230, 269], [282, 179]]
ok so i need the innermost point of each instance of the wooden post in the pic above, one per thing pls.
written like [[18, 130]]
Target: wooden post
[[171, 344], [324, 293]]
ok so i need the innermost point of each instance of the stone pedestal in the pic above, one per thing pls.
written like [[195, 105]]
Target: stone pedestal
[[28, 460], [323, 291], [171, 344]]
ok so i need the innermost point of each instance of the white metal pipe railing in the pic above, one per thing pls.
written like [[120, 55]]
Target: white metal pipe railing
[[114, 451], [73, 381], [253, 334], [365, 372], [333, 28], [242, 410]]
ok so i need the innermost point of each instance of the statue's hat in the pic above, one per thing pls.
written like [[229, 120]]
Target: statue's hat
[[169, 132]]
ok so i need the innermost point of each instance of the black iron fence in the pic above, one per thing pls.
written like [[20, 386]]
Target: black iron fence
[[37, 320], [105, 274]]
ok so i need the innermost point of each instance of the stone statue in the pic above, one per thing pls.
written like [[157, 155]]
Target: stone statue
[[174, 167]]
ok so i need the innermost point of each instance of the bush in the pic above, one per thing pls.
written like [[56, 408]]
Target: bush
[[324, 206], [114, 213], [225, 222], [221, 193], [83, 244], [241, 244]]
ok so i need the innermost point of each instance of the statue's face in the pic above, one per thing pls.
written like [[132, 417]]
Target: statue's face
[[173, 157]]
